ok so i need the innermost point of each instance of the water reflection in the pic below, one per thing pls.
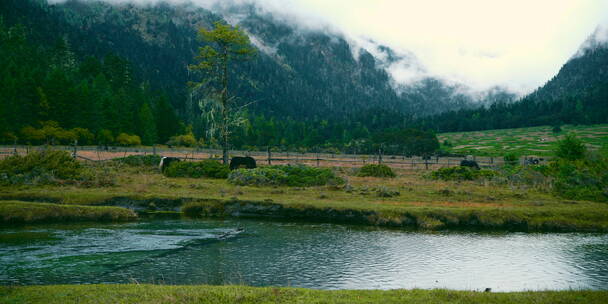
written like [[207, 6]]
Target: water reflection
[[305, 255]]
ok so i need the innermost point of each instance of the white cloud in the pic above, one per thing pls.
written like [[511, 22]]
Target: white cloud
[[518, 44]]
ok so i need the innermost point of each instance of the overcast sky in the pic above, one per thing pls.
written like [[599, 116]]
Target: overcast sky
[[516, 43], [519, 44]]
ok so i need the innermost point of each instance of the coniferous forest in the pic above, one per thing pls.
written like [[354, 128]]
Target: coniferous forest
[[90, 72]]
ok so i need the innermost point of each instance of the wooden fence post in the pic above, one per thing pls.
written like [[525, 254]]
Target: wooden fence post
[[317, 159], [75, 151], [269, 157], [426, 163]]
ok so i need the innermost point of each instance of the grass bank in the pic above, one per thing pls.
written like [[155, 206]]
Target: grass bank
[[428, 218], [16, 212], [408, 200], [65, 294]]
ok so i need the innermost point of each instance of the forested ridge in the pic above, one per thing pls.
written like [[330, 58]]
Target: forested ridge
[[119, 71], [578, 94]]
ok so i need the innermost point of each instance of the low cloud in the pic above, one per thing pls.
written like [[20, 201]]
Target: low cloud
[[518, 44]]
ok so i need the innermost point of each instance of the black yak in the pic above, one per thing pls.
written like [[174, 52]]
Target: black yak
[[469, 163], [166, 161], [240, 162]]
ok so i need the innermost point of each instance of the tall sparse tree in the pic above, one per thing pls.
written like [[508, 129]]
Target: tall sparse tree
[[225, 44]]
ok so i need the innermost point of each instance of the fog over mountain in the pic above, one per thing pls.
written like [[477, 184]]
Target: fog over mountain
[[304, 46], [318, 76], [517, 45]]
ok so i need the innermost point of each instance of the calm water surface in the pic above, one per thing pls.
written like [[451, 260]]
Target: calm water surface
[[321, 256]]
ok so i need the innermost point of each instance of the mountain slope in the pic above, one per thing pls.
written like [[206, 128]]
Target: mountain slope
[[578, 94], [299, 74]]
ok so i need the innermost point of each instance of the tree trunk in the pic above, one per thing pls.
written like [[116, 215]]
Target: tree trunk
[[225, 109]]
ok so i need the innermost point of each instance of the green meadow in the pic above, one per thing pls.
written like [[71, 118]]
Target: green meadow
[[539, 141]]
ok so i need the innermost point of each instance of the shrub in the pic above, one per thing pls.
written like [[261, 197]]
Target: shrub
[[511, 158], [186, 140], [125, 139], [556, 129], [462, 173], [386, 192], [39, 168], [84, 136], [570, 148], [206, 168], [105, 137], [150, 160], [376, 171], [296, 176], [258, 177], [532, 175], [585, 179]]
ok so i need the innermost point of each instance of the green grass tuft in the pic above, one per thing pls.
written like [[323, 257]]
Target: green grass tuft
[[15, 212]]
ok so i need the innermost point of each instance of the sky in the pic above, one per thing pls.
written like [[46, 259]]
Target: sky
[[517, 44]]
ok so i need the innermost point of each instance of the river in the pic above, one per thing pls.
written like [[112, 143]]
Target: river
[[320, 256]]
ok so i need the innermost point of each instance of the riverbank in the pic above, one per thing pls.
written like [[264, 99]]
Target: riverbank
[[18, 212], [409, 200], [136, 293]]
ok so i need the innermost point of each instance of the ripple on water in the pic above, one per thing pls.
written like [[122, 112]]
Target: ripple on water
[[321, 256]]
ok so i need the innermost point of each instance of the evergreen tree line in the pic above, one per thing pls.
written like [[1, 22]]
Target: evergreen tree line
[[47, 93], [587, 109]]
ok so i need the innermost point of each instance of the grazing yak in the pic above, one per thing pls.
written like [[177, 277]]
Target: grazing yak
[[166, 161], [533, 160], [469, 163], [242, 162]]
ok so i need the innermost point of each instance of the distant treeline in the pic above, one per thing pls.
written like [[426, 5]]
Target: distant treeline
[[578, 94]]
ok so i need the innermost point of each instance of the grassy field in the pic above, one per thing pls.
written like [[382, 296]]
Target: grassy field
[[523, 141], [27, 212], [65, 294], [421, 202]]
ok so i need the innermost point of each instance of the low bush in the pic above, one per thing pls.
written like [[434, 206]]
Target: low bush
[[585, 179], [206, 168], [376, 171], [536, 176], [125, 139], [462, 173], [140, 160], [186, 140], [511, 158], [386, 192], [42, 167], [570, 148], [295, 176]]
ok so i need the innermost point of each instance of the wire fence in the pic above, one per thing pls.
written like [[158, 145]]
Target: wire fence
[[269, 157]]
